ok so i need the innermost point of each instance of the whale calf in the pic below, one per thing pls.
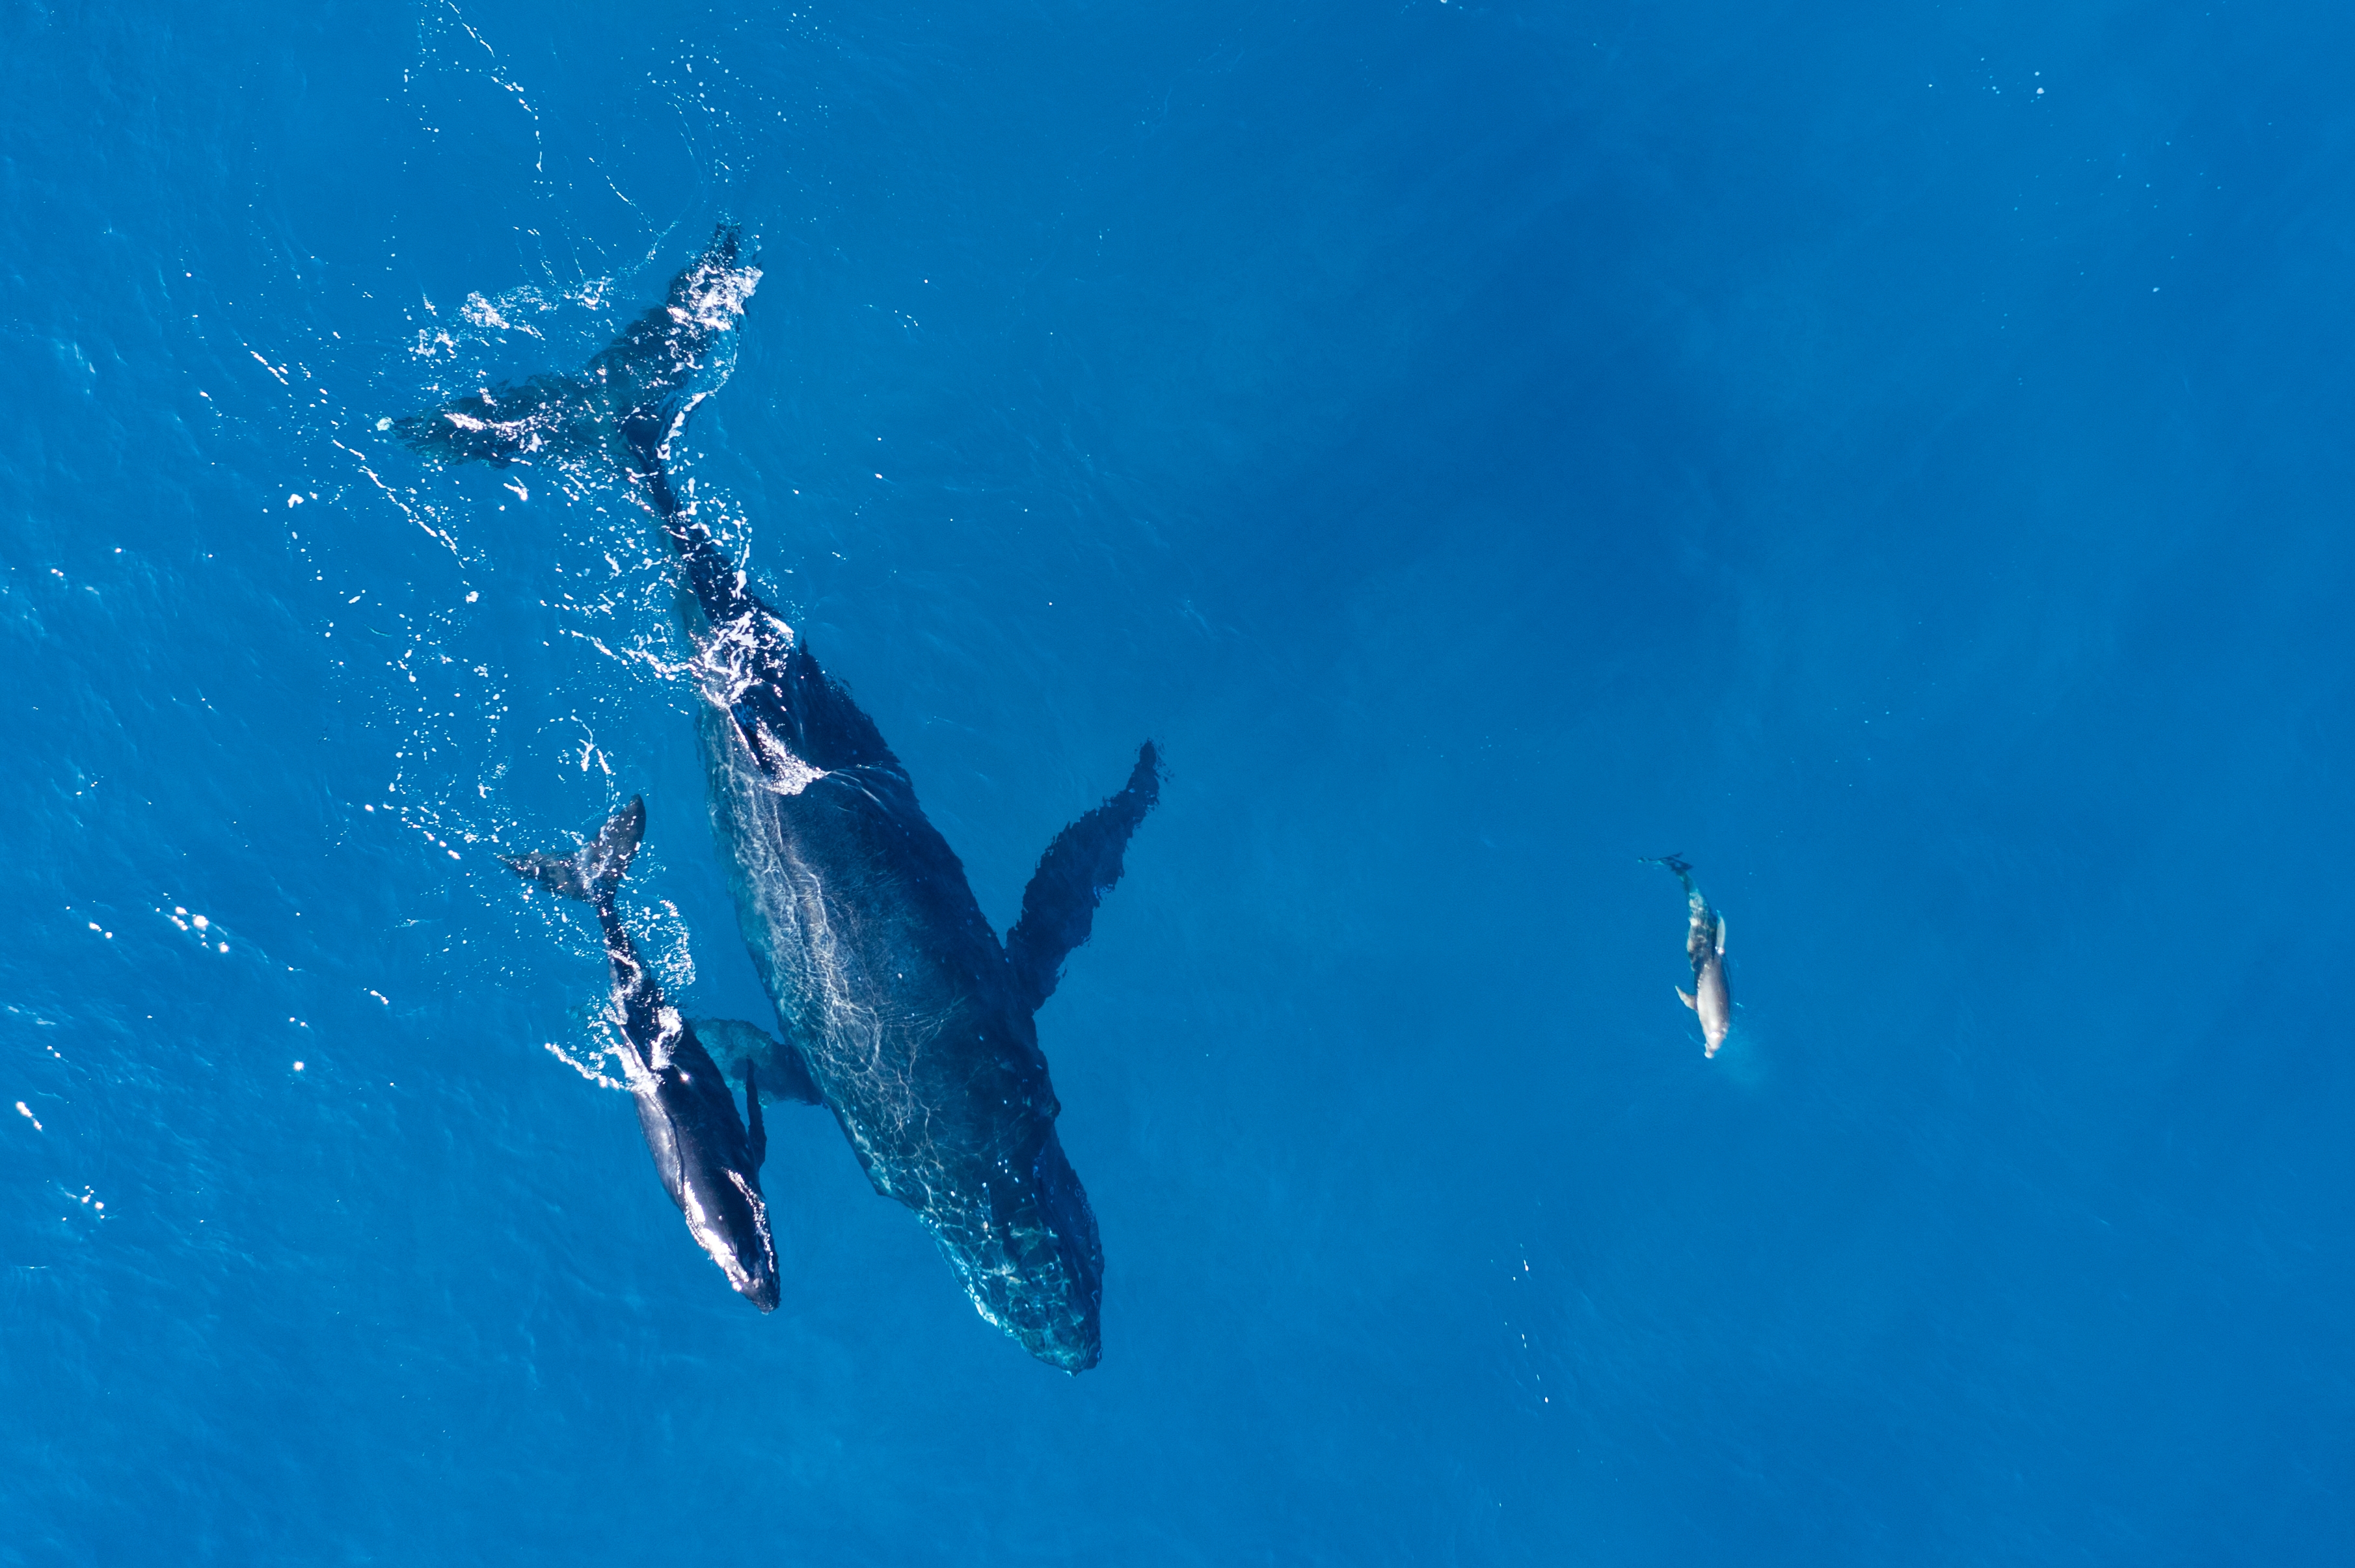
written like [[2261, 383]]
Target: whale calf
[[915, 1023], [709, 1162], [1710, 999]]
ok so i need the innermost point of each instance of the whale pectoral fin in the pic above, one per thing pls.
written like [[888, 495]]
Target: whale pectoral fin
[[795, 1083], [1685, 997], [1720, 936], [1079, 868], [736, 1046], [756, 1131]]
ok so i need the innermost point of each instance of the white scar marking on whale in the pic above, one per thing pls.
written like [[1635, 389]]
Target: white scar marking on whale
[[667, 1030], [786, 773], [725, 667]]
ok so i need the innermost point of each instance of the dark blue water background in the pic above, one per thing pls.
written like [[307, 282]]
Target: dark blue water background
[[1896, 455]]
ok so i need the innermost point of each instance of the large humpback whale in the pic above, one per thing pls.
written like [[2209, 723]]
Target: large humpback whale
[[708, 1161], [915, 1022]]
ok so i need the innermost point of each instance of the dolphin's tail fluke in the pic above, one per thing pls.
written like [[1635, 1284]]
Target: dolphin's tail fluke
[[1678, 866], [632, 398], [595, 871]]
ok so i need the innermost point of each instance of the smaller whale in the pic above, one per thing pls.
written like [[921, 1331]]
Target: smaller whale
[[710, 1160], [1710, 999]]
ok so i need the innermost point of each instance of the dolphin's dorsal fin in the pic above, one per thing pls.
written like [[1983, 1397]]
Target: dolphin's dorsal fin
[[1079, 867], [736, 1046], [1686, 1000]]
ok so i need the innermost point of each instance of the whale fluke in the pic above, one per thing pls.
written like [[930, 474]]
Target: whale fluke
[[591, 873], [501, 425], [638, 391], [1079, 867]]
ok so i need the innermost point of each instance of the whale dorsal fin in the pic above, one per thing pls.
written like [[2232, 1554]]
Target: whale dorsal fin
[[1079, 868], [738, 1046]]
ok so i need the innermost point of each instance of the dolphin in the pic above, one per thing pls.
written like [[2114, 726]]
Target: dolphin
[[915, 1022], [1710, 999], [708, 1161]]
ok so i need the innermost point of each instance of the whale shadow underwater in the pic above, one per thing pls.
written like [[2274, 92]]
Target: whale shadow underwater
[[912, 1019]]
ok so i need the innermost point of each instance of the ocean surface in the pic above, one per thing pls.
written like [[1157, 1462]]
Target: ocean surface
[[1896, 456]]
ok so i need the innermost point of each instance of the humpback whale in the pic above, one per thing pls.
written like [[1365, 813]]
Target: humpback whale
[[708, 1161], [1709, 998], [915, 1023]]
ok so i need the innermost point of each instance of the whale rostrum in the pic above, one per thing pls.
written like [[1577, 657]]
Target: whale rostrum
[[1710, 999], [710, 1160], [911, 1019]]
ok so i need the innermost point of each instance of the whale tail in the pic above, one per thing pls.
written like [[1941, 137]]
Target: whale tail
[[592, 872], [504, 426], [635, 394]]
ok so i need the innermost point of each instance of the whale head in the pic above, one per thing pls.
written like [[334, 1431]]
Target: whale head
[[730, 1220], [1031, 1260], [1065, 1327]]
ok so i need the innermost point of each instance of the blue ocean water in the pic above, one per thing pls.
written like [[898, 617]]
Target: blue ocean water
[[1895, 456]]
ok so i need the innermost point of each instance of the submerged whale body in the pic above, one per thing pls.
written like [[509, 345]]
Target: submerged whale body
[[913, 1020], [708, 1161]]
